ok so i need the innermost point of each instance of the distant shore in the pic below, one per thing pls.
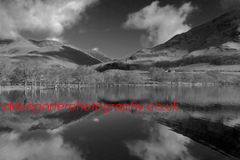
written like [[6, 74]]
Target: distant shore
[[152, 84], [9, 88]]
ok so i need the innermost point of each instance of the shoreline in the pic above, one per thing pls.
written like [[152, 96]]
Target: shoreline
[[157, 84], [10, 88]]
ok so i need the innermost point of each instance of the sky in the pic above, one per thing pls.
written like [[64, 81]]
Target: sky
[[117, 28]]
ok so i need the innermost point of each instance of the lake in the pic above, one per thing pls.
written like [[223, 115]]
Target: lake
[[205, 127]]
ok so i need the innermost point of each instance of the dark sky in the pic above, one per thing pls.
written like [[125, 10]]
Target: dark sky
[[102, 24]]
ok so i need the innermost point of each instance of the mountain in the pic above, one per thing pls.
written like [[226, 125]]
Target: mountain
[[219, 37], [45, 43], [99, 55], [48, 51]]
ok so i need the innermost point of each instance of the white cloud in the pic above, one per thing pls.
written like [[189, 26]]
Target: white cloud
[[50, 16], [59, 39], [161, 23], [229, 4], [162, 144], [95, 49], [50, 147]]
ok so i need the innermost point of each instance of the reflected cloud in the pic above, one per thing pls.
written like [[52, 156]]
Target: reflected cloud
[[233, 122], [36, 145], [162, 144]]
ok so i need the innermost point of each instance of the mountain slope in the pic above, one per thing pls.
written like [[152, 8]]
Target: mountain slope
[[48, 52], [99, 55], [219, 36], [17, 46], [212, 42]]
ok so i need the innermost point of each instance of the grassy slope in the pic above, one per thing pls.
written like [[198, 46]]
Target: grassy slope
[[206, 67], [71, 55], [218, 36], [47, 52], [99, 55]]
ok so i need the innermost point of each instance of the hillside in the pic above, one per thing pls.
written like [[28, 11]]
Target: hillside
[[48, 51], [219, 36], [99, 55], [212, 40]]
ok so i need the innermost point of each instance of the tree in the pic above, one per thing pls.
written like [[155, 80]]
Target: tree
[[81, 73], [107, 78], [53, 74], [185, 77], [133, 77], [27, 70], [36, 71], [158, 74], [215, 74], [6, 68], [65, 75]]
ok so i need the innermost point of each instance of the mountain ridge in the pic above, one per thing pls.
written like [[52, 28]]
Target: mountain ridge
[[216, 38], [217, 32], [50, 51]]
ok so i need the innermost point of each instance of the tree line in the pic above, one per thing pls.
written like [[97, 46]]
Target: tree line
[[34, 72], [160, 75]]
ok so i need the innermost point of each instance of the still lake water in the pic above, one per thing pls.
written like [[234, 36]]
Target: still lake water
[[205, 127]]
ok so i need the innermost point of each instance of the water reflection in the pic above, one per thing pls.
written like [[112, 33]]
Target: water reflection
[[161, 144], [36, 145], [206, 126]]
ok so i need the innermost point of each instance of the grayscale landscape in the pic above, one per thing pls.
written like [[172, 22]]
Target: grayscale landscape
[[116, 53]]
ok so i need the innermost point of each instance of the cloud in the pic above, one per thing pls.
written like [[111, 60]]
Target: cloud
[[48, 16], [95, 49], [161, 23], [45, 146], [229, 4], [162, 144], [59, 39]]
